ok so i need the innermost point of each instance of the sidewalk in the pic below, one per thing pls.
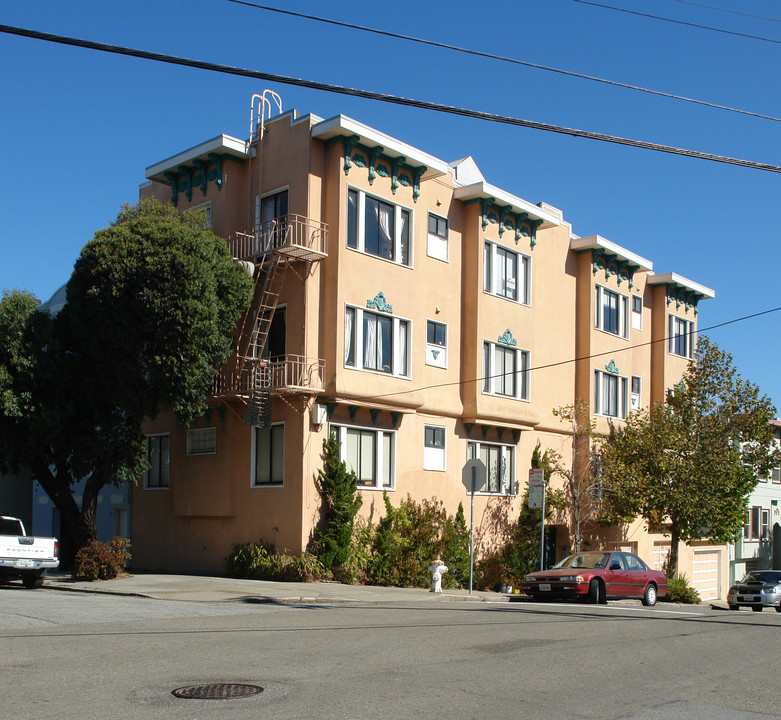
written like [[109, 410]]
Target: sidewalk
[[198, 588]]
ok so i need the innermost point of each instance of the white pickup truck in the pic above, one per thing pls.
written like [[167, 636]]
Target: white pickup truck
[[25, 556]]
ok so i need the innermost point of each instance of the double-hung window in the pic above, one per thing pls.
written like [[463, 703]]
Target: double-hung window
[[757, 526], [505, 371], [271, 219], [369, 453], [269, 455], [610, 395], [379, 228], [612, 315], [158, 455], [436, 344], [433, 447], [437, 245], [680, 336], [506, 273], [376, 341], [499, 461]]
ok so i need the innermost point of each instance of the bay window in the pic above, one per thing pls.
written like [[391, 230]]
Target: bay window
[[506, 273], [499, 461], [378, 228], [369, 453], [505, 371]]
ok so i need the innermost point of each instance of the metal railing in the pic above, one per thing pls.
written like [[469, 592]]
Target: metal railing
[[289, 374], [296, 236]]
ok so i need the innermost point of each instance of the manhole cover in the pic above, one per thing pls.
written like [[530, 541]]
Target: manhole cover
[[217, 691]]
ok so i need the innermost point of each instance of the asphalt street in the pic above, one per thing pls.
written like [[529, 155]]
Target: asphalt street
[[76, 655]]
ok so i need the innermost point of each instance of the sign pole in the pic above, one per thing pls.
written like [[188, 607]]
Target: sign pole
[[542, 531], [472, 530]]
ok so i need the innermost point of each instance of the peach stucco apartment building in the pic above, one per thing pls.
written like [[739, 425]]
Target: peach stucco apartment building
[[422, 314]]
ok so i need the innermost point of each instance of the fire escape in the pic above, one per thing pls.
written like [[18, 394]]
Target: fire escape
[[286, 244]]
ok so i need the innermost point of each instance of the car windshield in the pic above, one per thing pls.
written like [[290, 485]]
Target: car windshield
[[763, 576], [585, 560]]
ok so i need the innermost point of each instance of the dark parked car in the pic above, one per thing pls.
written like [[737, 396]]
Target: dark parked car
[[597, 577], [757, 590]]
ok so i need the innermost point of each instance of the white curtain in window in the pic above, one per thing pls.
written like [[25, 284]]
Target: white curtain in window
[[385, 220], [610, 396], [348, 336], [402, 367], [372, 342]]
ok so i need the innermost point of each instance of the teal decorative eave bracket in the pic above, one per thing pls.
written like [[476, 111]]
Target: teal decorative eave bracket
[[380, 303], [506, 338], [375, 413], [186, 177], [353, 410], [331, 409], [613, 265], [395, 417], [508, 220], [612, 368], [516, 436], [688, 298], [382, 165], [468, 427]]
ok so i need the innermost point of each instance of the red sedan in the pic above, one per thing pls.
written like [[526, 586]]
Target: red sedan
[[597, 577]]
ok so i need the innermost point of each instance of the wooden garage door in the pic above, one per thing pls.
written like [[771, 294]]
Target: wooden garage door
[[707, 573]]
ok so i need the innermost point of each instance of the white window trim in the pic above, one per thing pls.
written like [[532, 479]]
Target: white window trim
[[397, 356], [509, 485], [623, 312], [201, 431], [688, 335], [523, 280], [435, 458], [623, 392], [147, 486], [764, 524], [636, 398], [637, 316], [436, 355], [254, 458], [360, 228], [340, 431], [523, 377]]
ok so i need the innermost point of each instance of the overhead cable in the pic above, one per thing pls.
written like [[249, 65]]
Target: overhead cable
[[730, 10], [384, 97], [502, 58], [558, 363], [678, 22]]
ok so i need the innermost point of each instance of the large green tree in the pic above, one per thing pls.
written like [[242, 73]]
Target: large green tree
[[688, 465], [151, 307]]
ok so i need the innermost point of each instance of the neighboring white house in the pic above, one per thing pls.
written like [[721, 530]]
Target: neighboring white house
[[754, 551]]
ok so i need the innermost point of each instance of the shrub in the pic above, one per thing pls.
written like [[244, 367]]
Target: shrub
[[679, 590], [101, 560], [260, 561]]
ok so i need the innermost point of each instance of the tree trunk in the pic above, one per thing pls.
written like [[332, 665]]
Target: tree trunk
[[77, 527], [672, 560]]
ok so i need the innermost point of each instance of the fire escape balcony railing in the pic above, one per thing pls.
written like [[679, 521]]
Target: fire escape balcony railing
[[294, 236], [290, 374]]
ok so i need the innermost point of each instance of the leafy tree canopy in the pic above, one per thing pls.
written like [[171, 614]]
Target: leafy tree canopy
[[151, 307], [688, 465]]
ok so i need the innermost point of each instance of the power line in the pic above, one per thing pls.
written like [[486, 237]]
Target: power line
[[384, 97], [729, 10], [502, 58], [580, 359], [678, 22]]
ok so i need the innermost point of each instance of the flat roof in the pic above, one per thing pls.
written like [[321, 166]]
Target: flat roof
[[343, 126], [224, 144], [683, 283], [597, 242]]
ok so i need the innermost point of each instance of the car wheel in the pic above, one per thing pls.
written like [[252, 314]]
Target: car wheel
[[734, 607], [594, 592], [778, 608], [32, 580], [756, 608], [649, 596]]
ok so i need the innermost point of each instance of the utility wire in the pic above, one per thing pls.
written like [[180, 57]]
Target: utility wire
[[580, 359], [729, 10], [384, 97], [678, 22], [502, 58]]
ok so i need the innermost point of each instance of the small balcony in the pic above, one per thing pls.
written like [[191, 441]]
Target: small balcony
[[293, 236], [288, 375]]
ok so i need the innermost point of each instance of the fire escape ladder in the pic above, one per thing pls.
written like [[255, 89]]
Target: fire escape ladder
[[259, 403], [273, 277]]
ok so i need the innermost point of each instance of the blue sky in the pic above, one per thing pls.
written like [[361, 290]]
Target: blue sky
[[80, 126]]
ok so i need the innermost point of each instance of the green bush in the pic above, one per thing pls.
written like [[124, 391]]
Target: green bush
[[679, 590], [101, 560], [260, 561]]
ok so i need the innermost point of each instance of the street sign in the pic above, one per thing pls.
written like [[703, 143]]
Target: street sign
[[474, 470], [536, 477], [536, 496]]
